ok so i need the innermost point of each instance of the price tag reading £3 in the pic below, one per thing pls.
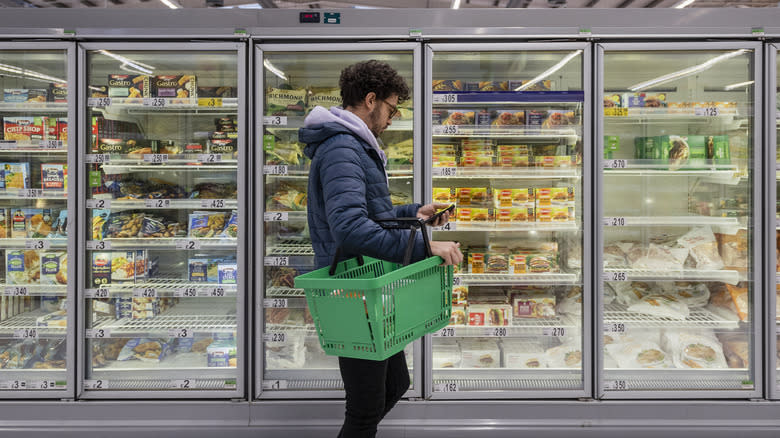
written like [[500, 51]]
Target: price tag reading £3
[[275, 120]]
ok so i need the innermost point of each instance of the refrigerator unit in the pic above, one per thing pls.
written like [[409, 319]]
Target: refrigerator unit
[[37, 347], [509, 128], [290, 81], [163, 220], [679, 304], [772, 221]]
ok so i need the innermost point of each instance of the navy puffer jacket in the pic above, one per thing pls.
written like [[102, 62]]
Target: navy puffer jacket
[[347, 188]]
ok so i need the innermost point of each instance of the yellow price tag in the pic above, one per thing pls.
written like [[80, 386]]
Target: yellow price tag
[[616, 112], [210, 101]]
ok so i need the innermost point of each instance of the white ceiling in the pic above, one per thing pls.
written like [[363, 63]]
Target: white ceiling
[[306, 4]]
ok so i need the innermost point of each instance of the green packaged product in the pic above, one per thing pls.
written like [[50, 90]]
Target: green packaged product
[[718, 149]]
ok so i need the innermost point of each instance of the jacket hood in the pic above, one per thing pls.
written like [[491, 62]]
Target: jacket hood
[[322, 124]]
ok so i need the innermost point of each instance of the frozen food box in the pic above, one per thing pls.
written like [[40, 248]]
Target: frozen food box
[[5, 223], [485, 354], [522, 354], [23, 95], [227, 273], [285, 102], [545, 85], [459, 314], [497, 263], [58, 92], [17, 175], [223, 92], [509, 117], [446, 355], [221, 355], [324, 97], [490, 315], [18, 223], [476, 260], [534, 119], [53, 176], [54, 267], [443, 195], [493, 86], [57, 319], [198, 270], [533, 306], [447, 85], [555, 119], [111, 146], [476, 161], [482, 215], [128, 86], [24, 129], [175, 86], [145, 349], [460, 294], [122, 266], [459, 117]]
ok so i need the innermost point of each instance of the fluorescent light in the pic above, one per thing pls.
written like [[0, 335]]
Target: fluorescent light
[[126, 62], [30, 74], [550, 70], [170, 4], [455, 4], [738, 85], [272, 68], [686, 72], [684, 4]]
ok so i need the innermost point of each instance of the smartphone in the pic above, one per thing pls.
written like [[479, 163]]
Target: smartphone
[[438, 214]]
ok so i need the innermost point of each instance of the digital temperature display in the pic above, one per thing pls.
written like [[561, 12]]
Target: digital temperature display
[[310, 17]]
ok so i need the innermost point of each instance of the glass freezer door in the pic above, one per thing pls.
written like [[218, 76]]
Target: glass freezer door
[[507, 129], [292, 80], [163, 220], [678, 273], [773, 217], [36, 353]]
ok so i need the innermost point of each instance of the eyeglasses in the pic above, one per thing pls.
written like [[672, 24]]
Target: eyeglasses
[[393, 109]]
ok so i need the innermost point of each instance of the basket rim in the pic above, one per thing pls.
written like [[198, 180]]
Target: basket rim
[[315, 280]]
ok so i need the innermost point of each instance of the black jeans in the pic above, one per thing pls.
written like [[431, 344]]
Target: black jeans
[[373, 388]]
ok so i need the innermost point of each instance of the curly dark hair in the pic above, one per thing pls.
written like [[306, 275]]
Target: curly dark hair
[[359, 79]]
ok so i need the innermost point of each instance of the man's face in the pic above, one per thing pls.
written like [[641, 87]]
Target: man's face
[[381, 116]]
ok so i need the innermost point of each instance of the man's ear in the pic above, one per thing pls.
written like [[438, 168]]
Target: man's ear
[[370, 100]]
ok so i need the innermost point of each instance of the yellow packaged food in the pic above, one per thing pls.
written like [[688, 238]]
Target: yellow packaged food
[[502, 197], [521, 197], [481, 215], [543, 197], [564, 160], [476, 262], [460, 294], [562, 214], [476, 161], [473, 144], [445, 161], [517, 264], [443, 148], [546, 161], [544, 214], [443, 195], [464, 215], [512, 148], [479, 195], [508, 215], [559, 194]]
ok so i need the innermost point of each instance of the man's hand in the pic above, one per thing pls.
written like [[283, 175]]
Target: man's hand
[[449, 251], [429, 210]]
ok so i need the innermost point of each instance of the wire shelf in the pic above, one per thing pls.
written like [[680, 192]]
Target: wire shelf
[[726, 276], [698, 318], [509, 279]]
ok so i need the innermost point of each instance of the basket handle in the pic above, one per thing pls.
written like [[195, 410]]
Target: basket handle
[[400, 223]]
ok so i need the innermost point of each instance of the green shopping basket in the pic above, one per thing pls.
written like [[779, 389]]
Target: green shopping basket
[[367, 308]]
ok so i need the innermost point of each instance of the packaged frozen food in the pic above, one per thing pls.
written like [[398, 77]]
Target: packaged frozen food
[[480, 354], [289, 354], [206, 224], [23, 267], [447, 85], [693, 350], [446, 356], [53, 176], [54, 267], [228, 273], [198, 270], [145, 349], [692, 294], [571, 304], [38, 222], [566, 355], [175, 86], [522, 354], [639, 354], [703, 248], [476, 260], [231, 228], [736, 349], [734, 250], [509, 118], [459, 314], [285, 101], [5, 223], [661, 257], [534, 305], [129, 86], [490, 314], [732, 298], [462, 117], [17, 175], [664, 306], [324, 97], [557, 118], [122, 266], [460, 294], [541, 262], [24, 129]]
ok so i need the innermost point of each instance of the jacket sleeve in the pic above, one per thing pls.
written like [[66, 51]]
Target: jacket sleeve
[[343, 183], [408, 210]]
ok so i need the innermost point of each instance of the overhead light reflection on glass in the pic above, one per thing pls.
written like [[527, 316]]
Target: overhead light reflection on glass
[[129, 63], [550, 70], [272, 68], [738, 85], [687, 71]]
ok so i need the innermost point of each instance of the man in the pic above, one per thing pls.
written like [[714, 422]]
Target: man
[[348, 187]]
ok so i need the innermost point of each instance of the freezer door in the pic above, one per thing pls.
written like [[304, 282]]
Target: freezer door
[[36, 239], [679, 220], [163, 220], [291, 81], [772, 220], [506, 128]]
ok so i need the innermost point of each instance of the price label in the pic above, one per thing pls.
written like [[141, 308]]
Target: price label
[[275, 216], [497, 332], [155, 102], [211, 102], [97, 293], [615, 327], [17, 291], [446, 130], [188, 244], [210, 158], [711, 111], [446, 387], [614, 222], [616, 276], [275, 303], [212, 203], [186, 292], [42, 384], [456, 281], [446, 332], [27, 333], [183, 384], [145, 292], [276, 261], [277, 338], [13, 384], [615, 164], [275, 120], [157, 203], [444, 171], [449, 226], [98, 203], [37, 244], [97, 158], [270, 385], [155, 158], [51, 144], [99, 102], [180, 333], [7, 144], [96, 384], [616, 112], [98, 245], [616, 385], [97, 333], [213, 292], [557, 332], [445, 98], [30, 193], [275, 170]]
